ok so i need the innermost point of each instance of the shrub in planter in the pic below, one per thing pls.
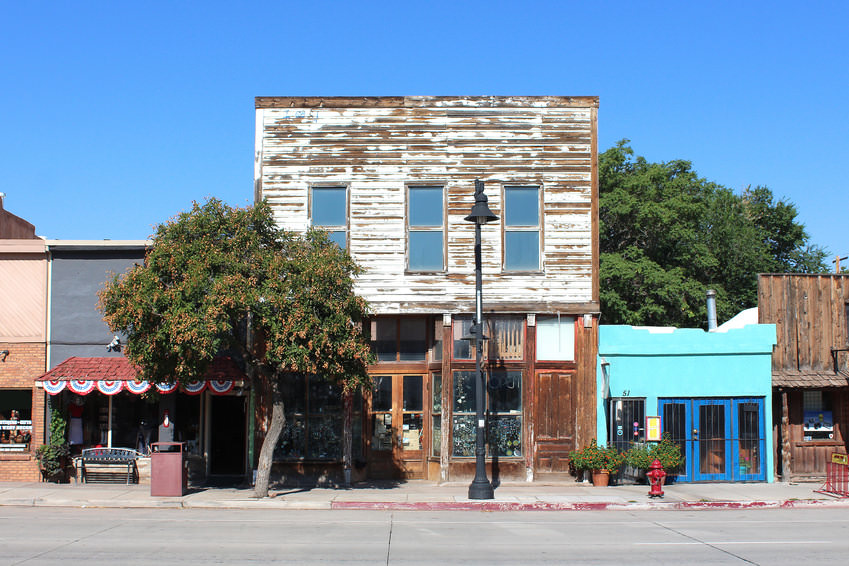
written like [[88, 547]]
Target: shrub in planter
[[595, 457], [642, 455], [53, 456]]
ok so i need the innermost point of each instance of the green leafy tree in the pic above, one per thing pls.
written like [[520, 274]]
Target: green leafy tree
[[222, 279], [668, 235]]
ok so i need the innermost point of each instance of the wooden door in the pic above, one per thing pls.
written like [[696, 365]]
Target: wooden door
[[554, 422], [396, 423]]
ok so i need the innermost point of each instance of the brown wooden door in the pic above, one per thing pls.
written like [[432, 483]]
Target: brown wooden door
[[554, 424], [396, 423]]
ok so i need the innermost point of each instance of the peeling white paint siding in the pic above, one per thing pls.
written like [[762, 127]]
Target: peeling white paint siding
[[379, 146]]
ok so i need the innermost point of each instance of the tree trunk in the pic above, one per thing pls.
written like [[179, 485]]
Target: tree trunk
[[266, 454]]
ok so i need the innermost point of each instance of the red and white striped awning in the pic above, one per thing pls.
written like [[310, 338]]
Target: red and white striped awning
[[112, 375]]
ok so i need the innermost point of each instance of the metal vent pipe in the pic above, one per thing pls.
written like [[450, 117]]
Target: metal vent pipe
[[711, 309]]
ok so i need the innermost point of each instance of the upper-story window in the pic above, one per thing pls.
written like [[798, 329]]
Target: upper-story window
[[521, 228], [425, 229], [329, 211]]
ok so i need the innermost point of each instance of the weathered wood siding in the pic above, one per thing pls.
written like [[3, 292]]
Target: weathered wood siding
[[379, 146], [809, 312]]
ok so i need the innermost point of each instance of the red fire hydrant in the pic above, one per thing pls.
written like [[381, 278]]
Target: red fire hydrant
[[656, 476]]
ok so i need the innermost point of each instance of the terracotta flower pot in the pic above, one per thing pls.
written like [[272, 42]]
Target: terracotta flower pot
[[601, 478]]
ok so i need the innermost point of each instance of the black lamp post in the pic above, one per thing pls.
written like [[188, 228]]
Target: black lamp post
[[480, 215]]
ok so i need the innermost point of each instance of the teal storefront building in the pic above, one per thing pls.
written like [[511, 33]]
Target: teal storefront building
[[711, 390]]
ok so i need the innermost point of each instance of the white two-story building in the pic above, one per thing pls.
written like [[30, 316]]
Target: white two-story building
[[392, 179]]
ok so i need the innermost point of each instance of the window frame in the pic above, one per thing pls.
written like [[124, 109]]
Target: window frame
[[331, 228], [399, 353], [409, 228], [520, 228], [562, 323]]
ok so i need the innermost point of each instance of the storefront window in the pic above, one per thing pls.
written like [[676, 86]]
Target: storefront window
[[504, 431], [436, 414], [436, 349], [399, 339], [506, 337], [314, 419], [818, 420], [15, 420], [504, 419], [462, 349]]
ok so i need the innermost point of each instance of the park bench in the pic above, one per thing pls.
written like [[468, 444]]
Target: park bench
[[100, 464]]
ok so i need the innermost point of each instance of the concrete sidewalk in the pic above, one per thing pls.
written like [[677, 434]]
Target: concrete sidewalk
[[427, 496]]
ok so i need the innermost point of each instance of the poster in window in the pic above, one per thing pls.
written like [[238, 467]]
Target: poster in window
[[653, 429], [818, 421]]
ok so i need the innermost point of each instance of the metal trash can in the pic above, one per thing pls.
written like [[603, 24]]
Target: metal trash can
[[168, 469]]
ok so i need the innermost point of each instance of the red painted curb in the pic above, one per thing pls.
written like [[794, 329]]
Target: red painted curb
[[494, 506]]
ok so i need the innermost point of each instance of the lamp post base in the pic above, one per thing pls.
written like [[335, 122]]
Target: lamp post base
[[481, 489]]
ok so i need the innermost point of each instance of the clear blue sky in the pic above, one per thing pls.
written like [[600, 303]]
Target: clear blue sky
[[115, 116]]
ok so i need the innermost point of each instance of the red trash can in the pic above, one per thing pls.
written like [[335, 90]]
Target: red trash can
[[168, 469]]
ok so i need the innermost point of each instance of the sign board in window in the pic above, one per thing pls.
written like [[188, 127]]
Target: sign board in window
[[653, 429]]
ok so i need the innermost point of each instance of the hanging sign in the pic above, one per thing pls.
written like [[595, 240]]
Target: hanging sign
[[653, 429]]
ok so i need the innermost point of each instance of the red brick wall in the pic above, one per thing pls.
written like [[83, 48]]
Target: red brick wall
[[25, 362]]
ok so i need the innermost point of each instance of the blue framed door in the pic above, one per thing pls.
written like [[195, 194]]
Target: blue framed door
[[721, 439], [676, 419], [712, 439], [749, 440]]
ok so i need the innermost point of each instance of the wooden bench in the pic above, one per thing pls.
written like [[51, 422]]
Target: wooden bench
[[98, 464]]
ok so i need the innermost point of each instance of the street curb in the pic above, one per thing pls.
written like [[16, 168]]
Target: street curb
[[496, 506], [480, 506]]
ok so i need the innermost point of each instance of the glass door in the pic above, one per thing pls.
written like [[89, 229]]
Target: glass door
[[396, 446], [749, 441], [712, 439], [676, 420]]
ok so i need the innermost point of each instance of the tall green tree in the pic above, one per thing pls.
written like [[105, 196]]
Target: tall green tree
[[217, 276], [667, 235]]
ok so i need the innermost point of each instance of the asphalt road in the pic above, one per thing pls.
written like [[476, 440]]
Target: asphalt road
[[67, 536]]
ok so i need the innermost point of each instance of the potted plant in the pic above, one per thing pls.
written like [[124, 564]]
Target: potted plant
[[601, 461], [642, 455], [53, 456]]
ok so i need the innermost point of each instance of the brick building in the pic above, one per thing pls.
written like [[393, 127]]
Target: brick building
[[23, 298]]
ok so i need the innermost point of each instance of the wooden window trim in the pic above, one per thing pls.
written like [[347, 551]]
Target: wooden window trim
[[333, 228], [538, 228], [442, 229]]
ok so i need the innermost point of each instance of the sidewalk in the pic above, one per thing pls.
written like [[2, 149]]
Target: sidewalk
[[427, 496]]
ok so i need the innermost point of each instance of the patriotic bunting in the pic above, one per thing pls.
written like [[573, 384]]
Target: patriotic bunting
[[110, 387], [81, 386], [194, 387], [54, 387]]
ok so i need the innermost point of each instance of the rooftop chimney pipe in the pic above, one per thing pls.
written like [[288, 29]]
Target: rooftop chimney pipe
[[711, 309]]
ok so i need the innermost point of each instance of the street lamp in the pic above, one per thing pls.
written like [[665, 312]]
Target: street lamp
[[480, 215]]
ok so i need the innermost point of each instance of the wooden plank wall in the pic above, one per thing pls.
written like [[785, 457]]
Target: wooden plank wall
[[809, 312], [377, 147]]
